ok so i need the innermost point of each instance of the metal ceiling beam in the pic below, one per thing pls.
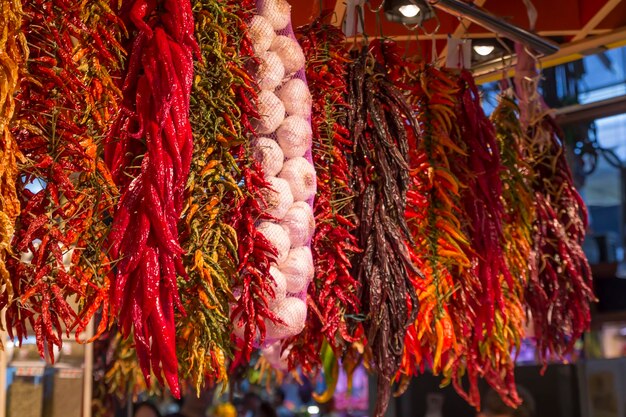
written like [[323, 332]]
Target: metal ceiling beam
[[493, 71], [596, 19], [460, 30], [486, 35], [591, 111], [497, 25]]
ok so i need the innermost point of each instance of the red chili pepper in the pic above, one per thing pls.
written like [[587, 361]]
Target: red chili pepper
[[145, 233]]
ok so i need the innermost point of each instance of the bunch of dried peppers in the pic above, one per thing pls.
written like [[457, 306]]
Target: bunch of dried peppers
[[559, 290], [333, 294], [66, 100], [517, 197], [13, 53], [386, 272], [149, 153], [208, 237], [491, 335], [436, 222]]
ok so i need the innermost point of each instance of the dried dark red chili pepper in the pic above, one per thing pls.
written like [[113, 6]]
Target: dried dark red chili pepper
[[385, 271], [149, 153]]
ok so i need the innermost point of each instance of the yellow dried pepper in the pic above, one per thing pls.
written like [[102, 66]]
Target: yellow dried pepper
[[13, 53]]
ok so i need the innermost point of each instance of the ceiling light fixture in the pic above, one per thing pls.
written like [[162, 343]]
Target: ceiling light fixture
[[409, 12], [497, 25], [484, 50]]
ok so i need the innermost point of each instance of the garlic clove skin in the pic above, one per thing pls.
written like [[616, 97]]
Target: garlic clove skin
[[279, 285], [278, 237], [273, 355], [278, 197], [289, 52], [272, 112], [294, 136], [299, 223], [261, 34], [292, 311], [277, 12], [300, 175], [268, 153], [271, 71], [296, 98], [298, 269]]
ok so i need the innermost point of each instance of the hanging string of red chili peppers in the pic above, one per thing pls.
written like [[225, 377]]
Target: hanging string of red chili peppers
[[333, 293], [487, 354], [559, 290], [149, 154], [65, 103]]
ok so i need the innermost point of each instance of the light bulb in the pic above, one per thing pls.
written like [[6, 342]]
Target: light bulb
[[409, 10], [313, 409], [484, 50]]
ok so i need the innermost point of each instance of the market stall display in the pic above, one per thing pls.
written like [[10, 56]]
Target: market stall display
[[212, 186]]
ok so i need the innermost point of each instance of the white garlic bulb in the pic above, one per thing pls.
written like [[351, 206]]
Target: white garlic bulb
[[277, 12], [292, 311], [296, 97], [270, 156], [261, 34], [289, 52], [294, 135], [300, 175], [272, 112], [278, 237], [299, 223], [279, 285], [298, 269], [278, 197], [271, 71]]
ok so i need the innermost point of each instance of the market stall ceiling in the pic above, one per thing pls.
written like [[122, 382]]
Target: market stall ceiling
[[578, 26]]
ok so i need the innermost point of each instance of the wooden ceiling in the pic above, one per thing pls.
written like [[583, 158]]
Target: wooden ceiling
[[580, 27]]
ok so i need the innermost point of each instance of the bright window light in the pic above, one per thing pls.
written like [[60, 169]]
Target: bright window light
[[484, 50], [409, 10]]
